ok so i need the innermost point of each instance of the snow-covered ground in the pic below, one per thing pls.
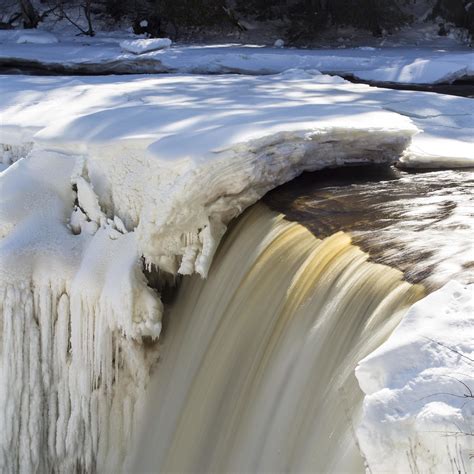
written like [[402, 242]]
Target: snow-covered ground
[[103, 54], [140, 46], [419, 404]]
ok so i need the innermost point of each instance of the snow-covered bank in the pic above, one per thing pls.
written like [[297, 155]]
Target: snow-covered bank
[[208, 148], [80, 112], [419, 404], [104, 55]]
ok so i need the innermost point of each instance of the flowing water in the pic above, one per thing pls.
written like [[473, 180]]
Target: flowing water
[[257, 363], [256, 372]]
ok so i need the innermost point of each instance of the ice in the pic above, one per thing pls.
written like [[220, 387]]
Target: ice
[[140, 46], [56, 286], [418, 409]]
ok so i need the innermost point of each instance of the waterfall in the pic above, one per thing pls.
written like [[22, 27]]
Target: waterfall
[[256, 369]]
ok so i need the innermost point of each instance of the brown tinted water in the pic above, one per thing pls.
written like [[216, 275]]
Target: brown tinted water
[[420, 223], [256, 370]]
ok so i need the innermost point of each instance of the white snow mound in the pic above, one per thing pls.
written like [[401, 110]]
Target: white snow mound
[[418, 411], [33, 37], [140, 46]]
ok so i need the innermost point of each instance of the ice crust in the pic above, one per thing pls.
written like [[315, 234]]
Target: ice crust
[[71, 360], [419, 408]]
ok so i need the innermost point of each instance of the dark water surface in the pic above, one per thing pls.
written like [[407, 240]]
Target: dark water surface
[[421, 223], [461, 87]]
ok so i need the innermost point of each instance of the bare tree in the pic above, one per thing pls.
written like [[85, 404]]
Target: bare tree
[[83, 8], [29, 14]]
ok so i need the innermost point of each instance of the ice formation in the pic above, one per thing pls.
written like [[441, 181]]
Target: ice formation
[[419, 404], [75, 306]]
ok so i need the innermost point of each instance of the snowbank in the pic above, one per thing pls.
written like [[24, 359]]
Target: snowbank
[[33, 37], [117, 109], [99, 55], [209, 148], [141, 46], [419, 406]]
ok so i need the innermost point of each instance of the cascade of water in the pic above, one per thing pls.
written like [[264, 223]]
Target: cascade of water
[[257, 362]]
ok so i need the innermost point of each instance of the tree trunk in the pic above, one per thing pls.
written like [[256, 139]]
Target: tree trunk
[[29, 14]]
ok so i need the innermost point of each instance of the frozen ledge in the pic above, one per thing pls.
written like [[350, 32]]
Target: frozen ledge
[[180, 233]]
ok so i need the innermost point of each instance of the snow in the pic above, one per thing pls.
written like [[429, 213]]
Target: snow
[[144, 111], [261, 130], [33, 37], [141, 46], [419, 407], [104, 54], [11, 153]]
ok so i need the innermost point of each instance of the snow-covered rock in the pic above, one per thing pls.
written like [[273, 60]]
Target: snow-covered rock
[[419, 405], [140, 46]]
